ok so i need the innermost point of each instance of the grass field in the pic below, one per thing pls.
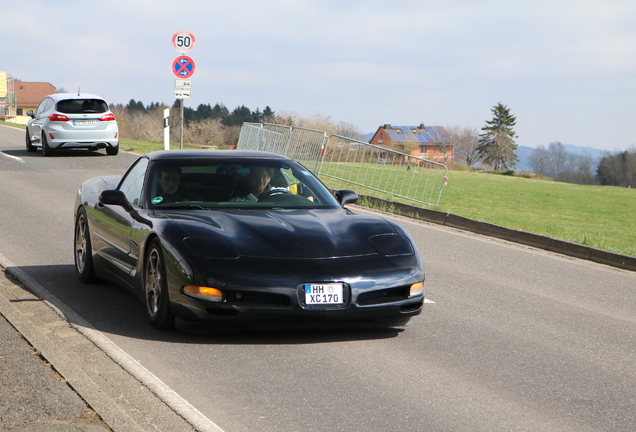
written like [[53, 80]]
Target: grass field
[[597, 216]]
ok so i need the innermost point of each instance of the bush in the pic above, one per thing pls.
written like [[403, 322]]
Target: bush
[[506, 172]]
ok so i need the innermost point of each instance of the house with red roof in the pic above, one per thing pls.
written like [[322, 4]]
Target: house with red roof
[[428, 142], [17, 97]]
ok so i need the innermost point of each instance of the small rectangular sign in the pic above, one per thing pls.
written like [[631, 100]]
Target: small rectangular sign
[[183, 84], [181, 94]]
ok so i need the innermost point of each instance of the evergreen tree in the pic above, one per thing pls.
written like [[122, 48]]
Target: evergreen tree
[[240, 115], [497, 145], [268, 114], [219, 111], [204, 111], [135, 106]]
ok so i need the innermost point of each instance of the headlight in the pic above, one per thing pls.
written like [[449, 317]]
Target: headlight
[[391, 244]]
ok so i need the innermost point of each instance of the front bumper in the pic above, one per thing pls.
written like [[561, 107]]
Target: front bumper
[[275, 309]]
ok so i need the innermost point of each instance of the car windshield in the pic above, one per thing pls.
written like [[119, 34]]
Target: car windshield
[[82, 106], [186, 184]]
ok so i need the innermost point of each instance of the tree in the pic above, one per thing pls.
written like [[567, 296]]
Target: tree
[[465, 140], [618, 169], [240, 115], [135, 106], [206, 132], [559, 164], [268, 114], [349, 130], [497, 145]]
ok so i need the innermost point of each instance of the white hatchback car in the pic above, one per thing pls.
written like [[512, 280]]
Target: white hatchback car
[[68, 120]]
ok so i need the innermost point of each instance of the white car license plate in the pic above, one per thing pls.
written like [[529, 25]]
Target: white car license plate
[[84, 122], [323, 294]]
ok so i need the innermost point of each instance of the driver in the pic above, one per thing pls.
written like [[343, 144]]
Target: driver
[[255, 183]]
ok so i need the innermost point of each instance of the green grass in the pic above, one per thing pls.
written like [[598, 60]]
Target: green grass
[[15, 125], [598, 216]]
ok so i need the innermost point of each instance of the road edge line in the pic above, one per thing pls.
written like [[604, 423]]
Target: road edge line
[[178, 404]]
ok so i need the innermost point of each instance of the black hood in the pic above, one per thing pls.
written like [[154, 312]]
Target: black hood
[[303, 234]]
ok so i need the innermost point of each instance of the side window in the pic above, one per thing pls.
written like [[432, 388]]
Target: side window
[[133, 183], [49, 105], [42, 106]]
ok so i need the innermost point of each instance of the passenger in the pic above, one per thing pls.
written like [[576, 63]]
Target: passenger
[[254, 184]]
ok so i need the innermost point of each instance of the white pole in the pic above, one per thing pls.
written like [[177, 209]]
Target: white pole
[[166, 129]]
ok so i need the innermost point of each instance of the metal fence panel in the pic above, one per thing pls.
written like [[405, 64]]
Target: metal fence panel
[[355, 162], [300, 144], [384, 170]]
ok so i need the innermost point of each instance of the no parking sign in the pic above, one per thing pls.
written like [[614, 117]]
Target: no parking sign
[[183, 66]]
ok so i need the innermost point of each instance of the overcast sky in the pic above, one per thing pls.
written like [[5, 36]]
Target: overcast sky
[[566, 69]]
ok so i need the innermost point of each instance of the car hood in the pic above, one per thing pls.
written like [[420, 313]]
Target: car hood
[[307, 234]]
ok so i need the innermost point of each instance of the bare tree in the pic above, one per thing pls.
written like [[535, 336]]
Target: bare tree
[[286, 118], [207, 132], [540, 161], [559, 164], [138, 125], [348, 130], [466, 140], [320, 122]]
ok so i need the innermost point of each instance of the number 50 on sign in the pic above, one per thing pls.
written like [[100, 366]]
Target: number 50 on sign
[[183, 41]]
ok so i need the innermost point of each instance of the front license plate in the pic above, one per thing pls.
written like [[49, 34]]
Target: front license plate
[[84, 122], [323, 294]]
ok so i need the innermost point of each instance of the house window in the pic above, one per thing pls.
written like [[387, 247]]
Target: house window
[[18, 111], [423, 149]]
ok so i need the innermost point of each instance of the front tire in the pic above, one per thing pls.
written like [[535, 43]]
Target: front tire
[[156, 298], [83, 250], [48, 151], [29, 146]]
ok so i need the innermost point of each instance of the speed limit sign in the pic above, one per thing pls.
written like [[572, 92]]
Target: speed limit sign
[[183, 41]]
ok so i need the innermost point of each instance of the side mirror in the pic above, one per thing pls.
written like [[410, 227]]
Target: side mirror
[[346, 196], [30, 113], [117, 197]]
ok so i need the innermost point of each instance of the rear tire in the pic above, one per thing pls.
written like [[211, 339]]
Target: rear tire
[[29, 146], [48, 151], [156, 297], [112, 151], [83, 250]]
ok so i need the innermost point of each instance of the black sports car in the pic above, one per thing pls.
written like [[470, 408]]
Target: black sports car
[[243, 239]]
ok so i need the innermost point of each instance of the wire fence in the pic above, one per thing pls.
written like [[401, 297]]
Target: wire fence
[[375, 168]]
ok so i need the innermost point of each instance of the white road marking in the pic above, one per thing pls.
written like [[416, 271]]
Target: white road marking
[[12, 157], [428, 301]]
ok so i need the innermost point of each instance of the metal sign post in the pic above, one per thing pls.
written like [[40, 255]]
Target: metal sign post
[[183, 67]]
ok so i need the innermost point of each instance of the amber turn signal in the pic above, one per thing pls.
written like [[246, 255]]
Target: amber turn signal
[[204, 293], [417, 289]]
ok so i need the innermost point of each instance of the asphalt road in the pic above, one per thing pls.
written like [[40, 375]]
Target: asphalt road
[[517, 340]]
